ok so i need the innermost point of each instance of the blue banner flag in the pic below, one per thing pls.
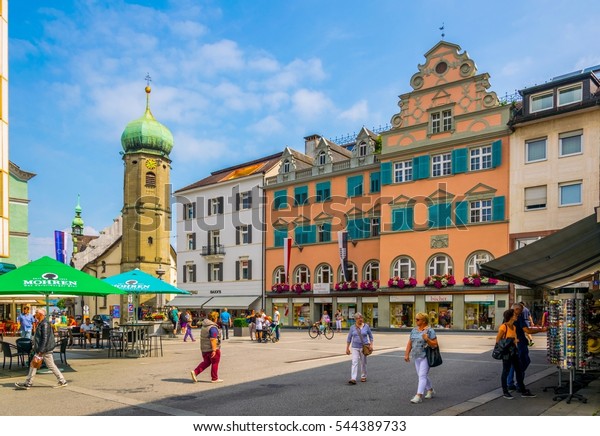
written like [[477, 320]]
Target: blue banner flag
[[60, 246]]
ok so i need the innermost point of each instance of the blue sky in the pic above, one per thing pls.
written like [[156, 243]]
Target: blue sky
[[237, 80]]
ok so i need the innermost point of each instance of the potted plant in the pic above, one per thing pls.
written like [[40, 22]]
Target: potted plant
[[479, 280], [346, 286], [439, 281], [238, 326], [399, 282]]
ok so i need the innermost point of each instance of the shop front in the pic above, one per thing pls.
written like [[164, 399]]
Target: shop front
[[322, 305], [301, 312], [402, 311], [347, 306], [284, 310], [480, 312], [370, 311], [440, 310]]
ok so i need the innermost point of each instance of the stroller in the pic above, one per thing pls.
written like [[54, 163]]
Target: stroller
[[269, 333]]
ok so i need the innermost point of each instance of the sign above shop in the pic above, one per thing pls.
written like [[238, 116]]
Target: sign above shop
[[370, 299], [346, 299], [402, 298], [438, 298], [321, 288], [300, 300], [477, 297], [322, 299]]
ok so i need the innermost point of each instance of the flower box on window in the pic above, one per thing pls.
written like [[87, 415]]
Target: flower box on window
[[369, 285], [280, 287], [346, 286], [298, 288], [440, 281], [399, 282], [479, 280]]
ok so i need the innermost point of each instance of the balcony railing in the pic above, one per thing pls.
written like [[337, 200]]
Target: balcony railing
[[211, 250]]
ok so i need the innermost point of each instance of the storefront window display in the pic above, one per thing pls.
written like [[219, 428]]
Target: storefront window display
[[440, 314], [479, 312], [284, 311], [370, 314], [302, 317], [402, 315], [348, 311]]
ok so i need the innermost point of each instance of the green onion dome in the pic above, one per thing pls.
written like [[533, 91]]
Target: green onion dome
[[147, 134]]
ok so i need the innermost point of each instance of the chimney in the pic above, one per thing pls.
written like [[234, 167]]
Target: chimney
[[310, 144]]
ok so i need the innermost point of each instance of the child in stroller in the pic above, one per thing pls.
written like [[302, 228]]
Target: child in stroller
[[269, 331]]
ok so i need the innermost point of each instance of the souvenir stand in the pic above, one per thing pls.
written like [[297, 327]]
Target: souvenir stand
[[568, 315]]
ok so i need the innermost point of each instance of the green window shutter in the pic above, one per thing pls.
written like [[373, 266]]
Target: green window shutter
[[352, 229], [498, 206], [459, 160], [434, 220], [364, 227], [280, 199], [310, 234], [386, 173], [300, 195], [375, 182], [421, 167], [298, 235], [462, 211], [279, 235], [323, 191], [402, 219], [440, 215], [326, 232], [496, 153], [355, 186]]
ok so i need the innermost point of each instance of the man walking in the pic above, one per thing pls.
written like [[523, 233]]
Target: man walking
[[225, 323], [43, 344]]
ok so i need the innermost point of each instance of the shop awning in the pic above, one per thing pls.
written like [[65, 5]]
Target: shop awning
[[231, 302], [188, 301], [7, 267], [558, 260]]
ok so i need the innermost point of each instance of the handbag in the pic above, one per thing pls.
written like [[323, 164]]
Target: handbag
[[503, 348], [365, 347], [434, 357], [36, 362]]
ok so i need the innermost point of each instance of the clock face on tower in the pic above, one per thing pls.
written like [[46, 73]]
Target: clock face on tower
[[151, 164]]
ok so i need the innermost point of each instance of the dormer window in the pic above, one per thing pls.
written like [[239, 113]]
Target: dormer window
[[286, 166], [569, 95], [322, 158], [362, 149], [441, 121], [541, 102]]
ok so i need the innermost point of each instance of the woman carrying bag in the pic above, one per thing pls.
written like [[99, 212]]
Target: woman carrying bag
[[420, 336], [360, 334]]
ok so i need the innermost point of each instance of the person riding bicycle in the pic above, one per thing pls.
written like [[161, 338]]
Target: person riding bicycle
[[324, 322]]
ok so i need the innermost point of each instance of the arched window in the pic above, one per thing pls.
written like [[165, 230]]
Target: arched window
[[302, 274], [322, 158], [150, 180], [440, 265], [477, 259], [324, 274], [362, 149], [286, 166], [372, 271], [404, 267], [352, 272], [279, 275]]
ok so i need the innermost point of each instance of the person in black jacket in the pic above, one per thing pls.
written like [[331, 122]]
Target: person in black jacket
[[43, 345]]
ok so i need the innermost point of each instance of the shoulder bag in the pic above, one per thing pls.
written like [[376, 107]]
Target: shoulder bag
[[434, 357], [503, 347], [365, 347]]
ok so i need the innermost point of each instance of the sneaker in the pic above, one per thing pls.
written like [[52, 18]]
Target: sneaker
[[352, 382], [429, 395], [61, 384], [22, 386], [217, 381], [531, 343], [512, 388], [194, 376], [417, 399], [507, 395], [528, 394]]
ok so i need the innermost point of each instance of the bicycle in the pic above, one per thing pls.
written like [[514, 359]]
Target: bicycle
[[316, 331]]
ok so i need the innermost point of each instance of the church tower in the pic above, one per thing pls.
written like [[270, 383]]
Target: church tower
[[76, 229], [147, 192]]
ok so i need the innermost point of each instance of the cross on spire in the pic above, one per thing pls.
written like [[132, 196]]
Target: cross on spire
[[148, 79]]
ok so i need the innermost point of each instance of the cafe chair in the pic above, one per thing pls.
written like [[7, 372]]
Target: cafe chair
[[116, 343], [78, 336], [25, 349], [9, 351], [61, 349]]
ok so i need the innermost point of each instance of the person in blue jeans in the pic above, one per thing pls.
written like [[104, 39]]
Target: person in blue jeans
[[225, 323], [25, 319], [522, 345]]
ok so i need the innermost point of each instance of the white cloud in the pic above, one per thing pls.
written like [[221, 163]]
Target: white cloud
[[267, 126], [187, 29], [222, 55], [191, 150], [310, 104], [358, 112]]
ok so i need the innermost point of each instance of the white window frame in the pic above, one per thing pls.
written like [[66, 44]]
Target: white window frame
[[578, 87], [375, 227], [568, 185], [480, 158], [530, 142], [404, 263], [191, 241], [372, 270], [561, 136], [324, 274], [363, 149], [189, 211], [541, 96], [244, 269], [279, 275], [244, 234], [441, 165], [447, 120], [441, 121], [215, 269], [214, 238], [286, 166], [480, 211], [322, 158], [214, 205], [302, 274], [191, 272], [353, 272], [403, 171], [535, 197], [439, 265], [477, 259]]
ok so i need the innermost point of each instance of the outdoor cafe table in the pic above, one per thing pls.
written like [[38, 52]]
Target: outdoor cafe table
[[134, 338]]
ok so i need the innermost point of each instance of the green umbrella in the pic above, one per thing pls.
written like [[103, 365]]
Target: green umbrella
[[47, 277], [138, 282]]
